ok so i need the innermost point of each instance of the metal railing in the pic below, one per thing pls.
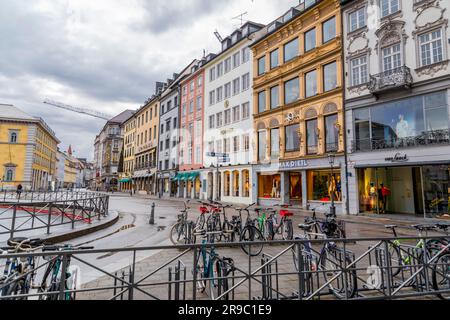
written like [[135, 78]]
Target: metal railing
[[352, 269], [34, 211], [436, 137], [391, 79], [43, 196]]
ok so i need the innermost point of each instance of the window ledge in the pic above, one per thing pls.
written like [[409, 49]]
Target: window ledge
[[358, 31], [392, 16]]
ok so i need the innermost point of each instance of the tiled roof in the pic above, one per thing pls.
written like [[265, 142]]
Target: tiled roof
[[10, 112]]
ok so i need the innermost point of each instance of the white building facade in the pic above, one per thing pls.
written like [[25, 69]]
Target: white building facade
[[228, 120], [397, 106]]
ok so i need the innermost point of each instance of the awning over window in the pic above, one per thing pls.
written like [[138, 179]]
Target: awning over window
[[193, 175], [125, 180]]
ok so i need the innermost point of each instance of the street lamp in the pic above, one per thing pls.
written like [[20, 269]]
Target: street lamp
[[331, 159]]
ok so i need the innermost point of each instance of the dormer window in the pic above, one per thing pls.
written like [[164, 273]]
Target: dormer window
[[272, 27], [288, 16]]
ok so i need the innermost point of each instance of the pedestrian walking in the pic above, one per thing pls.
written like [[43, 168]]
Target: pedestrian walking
[[19, 191]]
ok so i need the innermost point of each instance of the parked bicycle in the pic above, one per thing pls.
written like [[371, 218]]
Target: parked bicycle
[[281, 226], [183, 231]]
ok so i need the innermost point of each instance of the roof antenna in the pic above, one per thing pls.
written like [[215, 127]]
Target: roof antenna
[[240, 17]]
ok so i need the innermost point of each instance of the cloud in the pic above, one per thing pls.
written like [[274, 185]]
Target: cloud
[[106, 54]]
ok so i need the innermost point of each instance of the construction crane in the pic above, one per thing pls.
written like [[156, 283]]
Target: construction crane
[[88, 112]]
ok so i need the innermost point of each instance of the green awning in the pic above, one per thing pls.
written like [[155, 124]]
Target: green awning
[[193, 175], [184, 176], [125, 180], [177, 177]]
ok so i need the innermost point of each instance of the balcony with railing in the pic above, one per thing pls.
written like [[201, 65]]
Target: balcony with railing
[[389, 80], [430, 138]]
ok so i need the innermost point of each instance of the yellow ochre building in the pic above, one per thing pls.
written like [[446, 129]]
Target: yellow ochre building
[[28, 150]]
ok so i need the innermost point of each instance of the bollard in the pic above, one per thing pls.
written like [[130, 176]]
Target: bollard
[[152, 214]]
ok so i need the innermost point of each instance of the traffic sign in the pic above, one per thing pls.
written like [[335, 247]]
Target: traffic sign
[[224, 159], [218, 155]]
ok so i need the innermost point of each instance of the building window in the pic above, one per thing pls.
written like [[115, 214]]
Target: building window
[[199, 103], [10, 174], [274, 97], [275, 143], [226, 145], [228, 65], [331, 133], [389, 7], [212, 74], [227, 90], [291, 50], [291, 136], [211, 122], [219, 69], [199, 81], [13, 136], [245, 55], [236, 114], [236, 146], [191, 106], [269, 186], [246, 81], [219, 118], [246, 141], [431, 48], [357, 19], [227, 117], [310, 39], [192, 86], [311, 83], [274, 61], [359, 72], [312, 136], [262, 101], [246, 183], [227, 183], [329, 30], [261, 66], [245, 110], [262, 145], [219, 94], [236, 86], [291, 91], [236, 59], [212, 97], [392, 58], [236, 180], [219, 146], [323, 186], [295, 186], [330, 77]]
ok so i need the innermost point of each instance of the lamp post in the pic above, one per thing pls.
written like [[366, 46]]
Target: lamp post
[[331, 159]]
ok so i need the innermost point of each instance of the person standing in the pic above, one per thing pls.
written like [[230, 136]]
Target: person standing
[[385, 192], [19, 191]]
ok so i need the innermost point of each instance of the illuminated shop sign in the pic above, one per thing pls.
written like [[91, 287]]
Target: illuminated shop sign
[[398, 158], [293, 164]]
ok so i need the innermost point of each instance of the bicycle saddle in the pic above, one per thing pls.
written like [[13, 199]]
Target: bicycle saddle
[[391, 227], [423, 227]]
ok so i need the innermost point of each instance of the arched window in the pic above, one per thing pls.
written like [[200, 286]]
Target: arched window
[[312, 131], [246, 183], [9, 175], [13, 137], [236, 191], [227, 184], [331, 128]]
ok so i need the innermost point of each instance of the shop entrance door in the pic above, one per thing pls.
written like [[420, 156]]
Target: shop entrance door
[[295, 188]]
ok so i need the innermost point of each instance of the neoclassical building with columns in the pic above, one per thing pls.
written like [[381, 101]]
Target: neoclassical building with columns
[[298, 108]]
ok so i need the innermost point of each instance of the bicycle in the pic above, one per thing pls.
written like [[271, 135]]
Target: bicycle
[[321, 226], [182, 231], [329, 261], [441, 268], [261, 220], [212, 272], [284, 227], [19, 273], [52, 279], [250, 233]]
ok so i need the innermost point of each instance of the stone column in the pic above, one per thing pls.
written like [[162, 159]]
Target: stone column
[[304, 189], [285, 194]]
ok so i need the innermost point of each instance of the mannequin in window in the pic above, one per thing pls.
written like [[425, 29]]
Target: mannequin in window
[[373, 193], [402, 129], [332, 188], [338, 192]]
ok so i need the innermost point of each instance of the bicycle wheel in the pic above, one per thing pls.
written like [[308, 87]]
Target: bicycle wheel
[[252, 234], [200, 223], [287, 230], [441, 275], [395, 259], [178, 233], [218, 284], [342, 285]]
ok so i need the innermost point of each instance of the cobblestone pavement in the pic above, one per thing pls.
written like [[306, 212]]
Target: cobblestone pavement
[[153, 266]]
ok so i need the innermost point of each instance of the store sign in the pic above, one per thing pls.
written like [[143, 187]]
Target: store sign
[[398, 158], [293, 164]]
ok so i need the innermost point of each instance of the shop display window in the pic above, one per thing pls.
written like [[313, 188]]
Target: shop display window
[[436, 185], [246, 183], [295, 186], [323, 185], [269, 186], [227, 184]]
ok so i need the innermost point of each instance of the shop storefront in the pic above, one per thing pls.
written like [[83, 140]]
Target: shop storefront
[[188, 185], [400, 158], [303, 184], [415, 190]]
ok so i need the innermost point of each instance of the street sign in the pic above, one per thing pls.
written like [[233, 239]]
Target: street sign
[[217, 155], [223, 159]]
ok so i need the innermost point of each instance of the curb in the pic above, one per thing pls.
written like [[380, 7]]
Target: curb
[[113, 217]]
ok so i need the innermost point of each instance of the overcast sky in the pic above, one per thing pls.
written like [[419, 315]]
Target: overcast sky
[[106, 54]]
